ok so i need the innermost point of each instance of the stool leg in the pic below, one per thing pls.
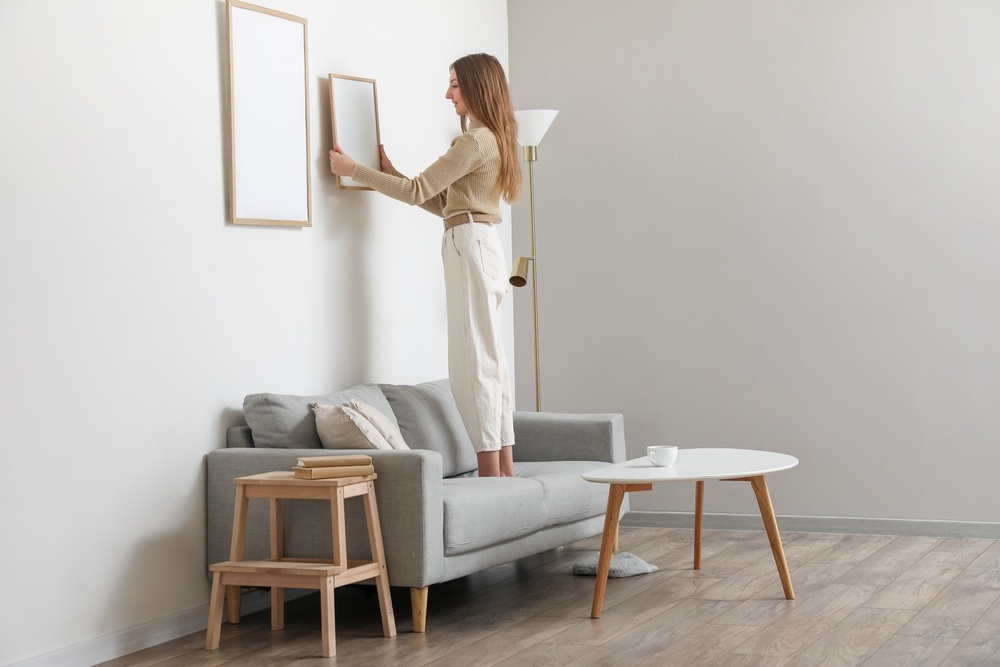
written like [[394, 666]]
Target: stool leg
[[236, 550], [277, 553], [328, 617], [378, 553], [215, 614], [238, 545], [338, 527]]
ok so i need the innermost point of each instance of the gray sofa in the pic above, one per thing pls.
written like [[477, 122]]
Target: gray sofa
[[439, 520]]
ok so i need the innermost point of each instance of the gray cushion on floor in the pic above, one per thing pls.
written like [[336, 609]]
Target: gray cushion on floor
[[623, 564]]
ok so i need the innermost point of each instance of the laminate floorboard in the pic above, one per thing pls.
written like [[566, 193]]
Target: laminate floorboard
[[869, 600]]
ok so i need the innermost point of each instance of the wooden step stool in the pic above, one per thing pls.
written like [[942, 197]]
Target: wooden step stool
[[279, 573]]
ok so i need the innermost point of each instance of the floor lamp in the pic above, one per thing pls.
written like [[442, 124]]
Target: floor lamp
[[531, 127]]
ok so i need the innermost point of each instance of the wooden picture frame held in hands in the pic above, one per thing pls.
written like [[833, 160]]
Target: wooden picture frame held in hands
[[269, 117], [354, 116]]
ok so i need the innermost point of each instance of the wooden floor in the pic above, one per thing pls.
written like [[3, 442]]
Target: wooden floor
[[860, 600]]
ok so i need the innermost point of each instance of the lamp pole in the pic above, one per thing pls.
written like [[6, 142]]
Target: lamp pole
[[531, 127], [530, 155]]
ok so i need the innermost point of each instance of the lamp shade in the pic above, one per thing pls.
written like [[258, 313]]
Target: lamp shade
[[532, 124]]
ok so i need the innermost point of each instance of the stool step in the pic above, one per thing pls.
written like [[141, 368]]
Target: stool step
[[277, 567]]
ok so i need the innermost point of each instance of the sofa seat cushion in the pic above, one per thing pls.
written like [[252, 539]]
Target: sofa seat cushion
[[428, 419], [287, 421], [568, 496], [482, 511]]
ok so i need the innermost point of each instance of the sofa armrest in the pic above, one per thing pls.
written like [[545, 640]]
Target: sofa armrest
[[549, 436], [409, 495]]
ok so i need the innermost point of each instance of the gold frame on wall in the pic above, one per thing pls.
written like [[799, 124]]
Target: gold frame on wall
[[270, 170], [354, 109]]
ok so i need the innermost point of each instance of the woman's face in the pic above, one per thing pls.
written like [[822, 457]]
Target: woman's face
[[455, 95]]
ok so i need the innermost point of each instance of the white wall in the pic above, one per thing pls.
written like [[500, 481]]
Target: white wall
[[135, 319], [775, 225]]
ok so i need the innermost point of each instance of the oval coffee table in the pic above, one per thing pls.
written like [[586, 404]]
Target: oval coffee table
[[692, 465]]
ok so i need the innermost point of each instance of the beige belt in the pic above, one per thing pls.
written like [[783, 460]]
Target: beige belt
[[467, 216]]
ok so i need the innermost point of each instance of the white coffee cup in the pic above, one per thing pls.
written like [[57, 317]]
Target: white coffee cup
[[661, 456]]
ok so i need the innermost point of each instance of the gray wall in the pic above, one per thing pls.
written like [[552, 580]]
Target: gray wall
[[774, 225]]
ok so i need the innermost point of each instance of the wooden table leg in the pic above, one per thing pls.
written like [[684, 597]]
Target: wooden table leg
[[616, 494], [771, 526], [699, 515]]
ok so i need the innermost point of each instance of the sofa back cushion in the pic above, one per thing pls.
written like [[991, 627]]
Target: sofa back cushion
[[286, 421], [428, 419]]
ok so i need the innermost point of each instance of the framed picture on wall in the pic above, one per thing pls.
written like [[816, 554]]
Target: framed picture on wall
[[269, 117], [354, 115]]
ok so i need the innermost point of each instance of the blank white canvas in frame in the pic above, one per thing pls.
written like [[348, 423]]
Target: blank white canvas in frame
[[354, 115], [270, 131]]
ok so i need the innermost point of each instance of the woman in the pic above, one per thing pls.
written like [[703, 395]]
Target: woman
[[464, 187]]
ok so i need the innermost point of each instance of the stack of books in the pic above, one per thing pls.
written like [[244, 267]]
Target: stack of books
[[326, 467]]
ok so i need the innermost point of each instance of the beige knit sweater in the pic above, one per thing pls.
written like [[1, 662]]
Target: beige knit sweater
[[463, 179]]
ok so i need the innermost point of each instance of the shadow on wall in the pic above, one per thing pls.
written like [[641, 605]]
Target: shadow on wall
[[230, 417], [151, 575]]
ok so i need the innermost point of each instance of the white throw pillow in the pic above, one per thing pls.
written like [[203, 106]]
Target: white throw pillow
[[344, 427], [384, 425]]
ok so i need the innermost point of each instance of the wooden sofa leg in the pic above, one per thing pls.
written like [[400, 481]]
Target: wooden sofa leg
[[418, 605], [233, 599]]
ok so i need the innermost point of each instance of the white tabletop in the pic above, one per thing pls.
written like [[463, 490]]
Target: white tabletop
[[695, 464]]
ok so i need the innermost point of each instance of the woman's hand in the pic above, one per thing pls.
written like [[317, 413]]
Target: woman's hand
[[340, 164], [385, 162]]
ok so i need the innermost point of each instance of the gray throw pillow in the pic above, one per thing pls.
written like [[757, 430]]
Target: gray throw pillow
[[287, 421], [428, 419]]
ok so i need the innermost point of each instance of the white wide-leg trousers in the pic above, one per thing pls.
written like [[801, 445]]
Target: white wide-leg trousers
[[475, 278]]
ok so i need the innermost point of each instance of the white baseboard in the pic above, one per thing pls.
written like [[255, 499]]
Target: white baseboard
[[146, 635], [819, 524]]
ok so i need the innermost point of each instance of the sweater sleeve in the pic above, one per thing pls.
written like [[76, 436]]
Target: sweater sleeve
[[428, 189]]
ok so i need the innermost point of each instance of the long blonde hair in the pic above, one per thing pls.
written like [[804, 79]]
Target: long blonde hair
[[484, 89]]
